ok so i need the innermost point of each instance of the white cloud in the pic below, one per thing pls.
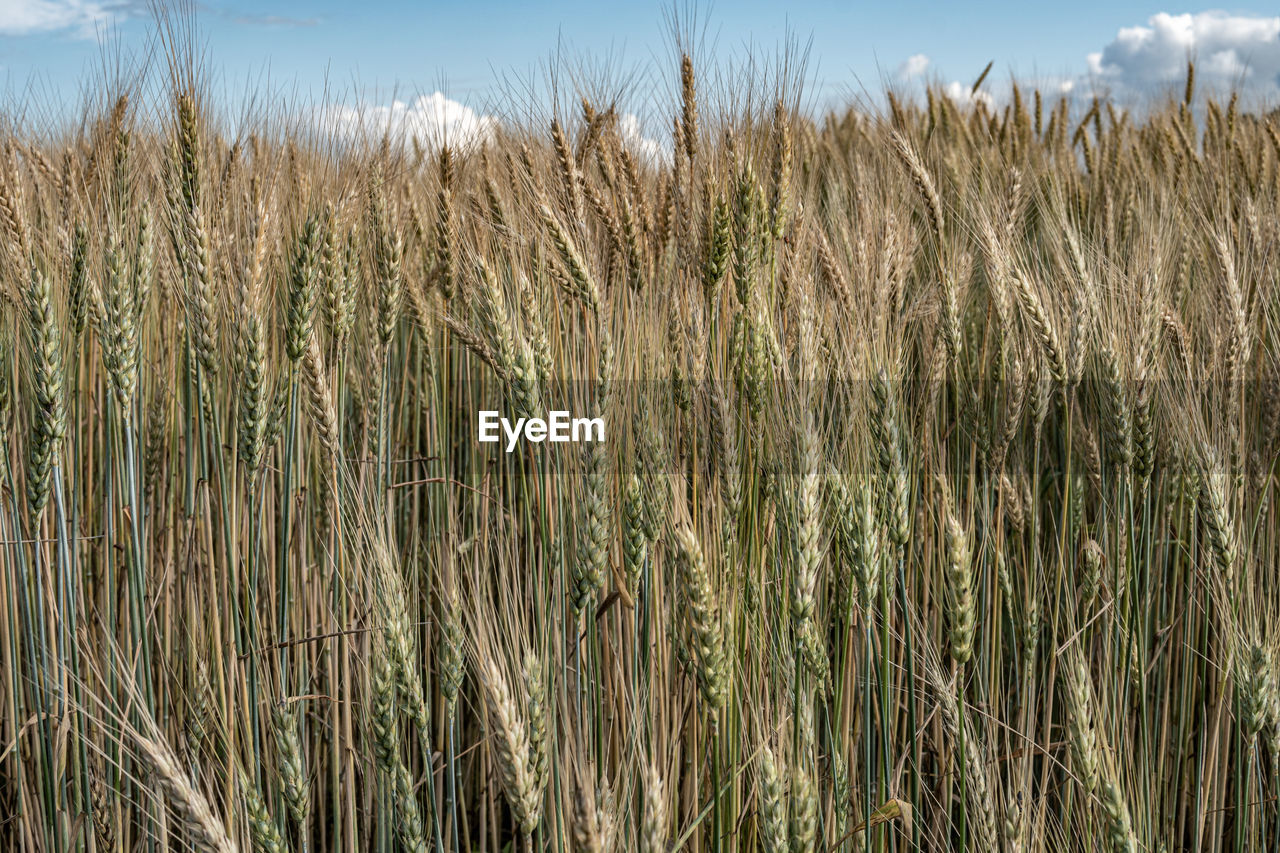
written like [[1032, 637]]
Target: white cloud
[[430, 119], [645, 147], [434, 119], [83, 18], [913, 67], [964, 95], [1229, 50]]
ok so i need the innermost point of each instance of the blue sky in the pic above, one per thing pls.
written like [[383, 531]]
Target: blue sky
[[367, 51]]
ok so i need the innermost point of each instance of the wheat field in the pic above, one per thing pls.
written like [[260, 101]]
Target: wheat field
[[933, 512]]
